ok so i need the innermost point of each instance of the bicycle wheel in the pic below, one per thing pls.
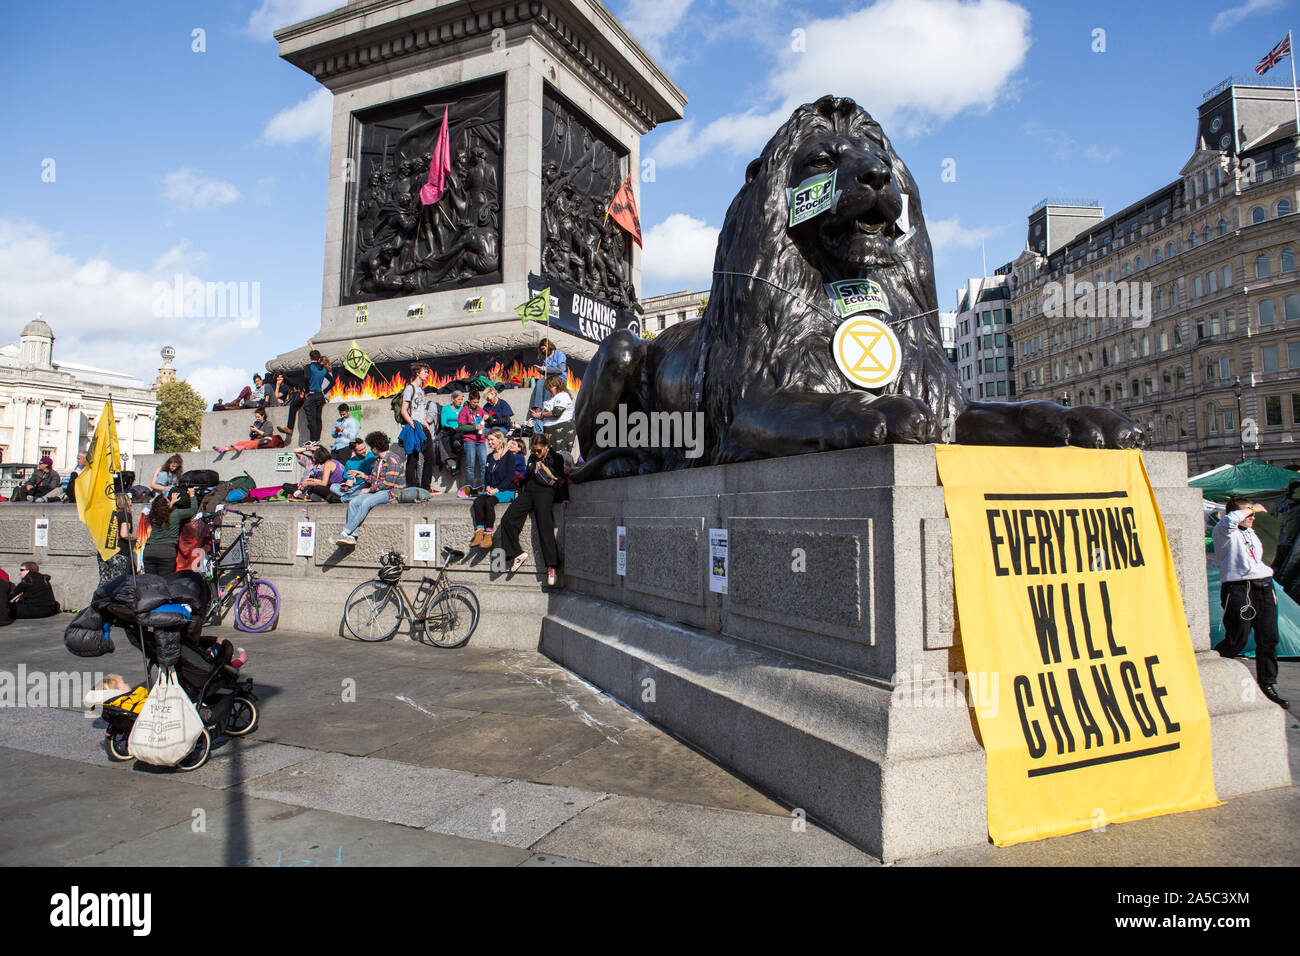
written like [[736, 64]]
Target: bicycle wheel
[[451, 617], [257, 607], [373, 612]]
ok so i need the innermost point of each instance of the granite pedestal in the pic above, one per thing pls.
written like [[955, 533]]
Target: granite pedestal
[[808, 684]]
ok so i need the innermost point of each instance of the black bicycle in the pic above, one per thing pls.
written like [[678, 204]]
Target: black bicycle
[[441, 614], [255, 600]]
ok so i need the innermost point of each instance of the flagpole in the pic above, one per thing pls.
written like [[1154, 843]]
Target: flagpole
[[1295, 93]]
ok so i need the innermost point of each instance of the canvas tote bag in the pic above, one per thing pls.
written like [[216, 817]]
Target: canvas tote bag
[[168, 725]]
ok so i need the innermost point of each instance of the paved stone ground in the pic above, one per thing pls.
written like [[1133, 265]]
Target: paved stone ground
[[467, 757]]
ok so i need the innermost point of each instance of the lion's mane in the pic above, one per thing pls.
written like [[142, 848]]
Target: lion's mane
[[757, 335]]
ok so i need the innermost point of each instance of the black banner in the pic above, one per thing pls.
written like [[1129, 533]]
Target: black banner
[[581, 314]]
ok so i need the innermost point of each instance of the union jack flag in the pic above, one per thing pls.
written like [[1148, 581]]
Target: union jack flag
[[1275, 56]]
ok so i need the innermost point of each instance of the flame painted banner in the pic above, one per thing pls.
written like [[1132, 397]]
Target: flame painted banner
[[1066, 593]]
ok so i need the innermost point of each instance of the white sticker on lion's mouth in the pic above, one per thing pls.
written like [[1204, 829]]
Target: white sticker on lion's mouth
[[867, 351]]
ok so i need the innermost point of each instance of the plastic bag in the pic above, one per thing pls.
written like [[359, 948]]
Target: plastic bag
[[168, 725]]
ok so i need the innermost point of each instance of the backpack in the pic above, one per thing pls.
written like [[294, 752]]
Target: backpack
[[198, 478], [396, 404], [244, 482]]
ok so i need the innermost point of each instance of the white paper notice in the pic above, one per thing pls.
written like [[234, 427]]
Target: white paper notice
[[306, 539], [426, 539], [622, 550], [42, 532], [718, 560]]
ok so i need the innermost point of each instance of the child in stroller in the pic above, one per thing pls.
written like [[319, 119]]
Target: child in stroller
[[163, 617]]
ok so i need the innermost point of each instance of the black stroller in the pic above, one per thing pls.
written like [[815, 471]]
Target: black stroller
[[163, 617]]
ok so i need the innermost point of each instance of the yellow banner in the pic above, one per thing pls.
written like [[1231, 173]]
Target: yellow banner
[[1069, 607], [96, 500]]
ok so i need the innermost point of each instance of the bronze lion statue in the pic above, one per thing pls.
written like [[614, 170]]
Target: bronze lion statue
[[759, 364]]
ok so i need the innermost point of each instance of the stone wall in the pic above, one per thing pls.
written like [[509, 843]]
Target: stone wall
[[312, 589]]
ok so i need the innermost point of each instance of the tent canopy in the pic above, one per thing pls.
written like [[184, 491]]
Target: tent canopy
[[1247, 478]]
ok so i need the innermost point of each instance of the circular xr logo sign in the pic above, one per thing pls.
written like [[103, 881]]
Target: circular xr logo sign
[[867, 352]]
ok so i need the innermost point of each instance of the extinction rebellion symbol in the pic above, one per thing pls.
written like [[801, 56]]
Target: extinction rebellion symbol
[[867, 352]]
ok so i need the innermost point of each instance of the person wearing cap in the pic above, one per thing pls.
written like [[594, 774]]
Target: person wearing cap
[[44, 481]]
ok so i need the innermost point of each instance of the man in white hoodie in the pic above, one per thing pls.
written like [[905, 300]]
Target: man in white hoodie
[[1246, 593]]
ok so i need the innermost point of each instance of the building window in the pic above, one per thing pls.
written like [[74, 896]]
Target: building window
[[1197, 290], [1273, 410], [1226, 274], [1268, 358], [1137, 263], [1170, 433], [1288, 260], [1211, 417], [1155, 255], [1164, 340], [48, 416], [1110, 275], [1261, 267], [1167, 380], [1258, 215], [1293, 355], [1180, 378], [1223, 227], [1169, 250], [1291, 307], [1295, 408], [1191, 240], [1265, 311], [1284, 207], [47, 452]]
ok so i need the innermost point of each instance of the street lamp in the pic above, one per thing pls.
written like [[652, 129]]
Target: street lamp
[[1241, 431]]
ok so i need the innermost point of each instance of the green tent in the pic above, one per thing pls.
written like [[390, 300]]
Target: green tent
[[1247, 478]]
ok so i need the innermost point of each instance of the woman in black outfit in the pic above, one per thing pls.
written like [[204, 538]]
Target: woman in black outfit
[[543, 485], [33, 597]]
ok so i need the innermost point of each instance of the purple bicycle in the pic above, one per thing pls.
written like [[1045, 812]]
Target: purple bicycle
[[255, 600]]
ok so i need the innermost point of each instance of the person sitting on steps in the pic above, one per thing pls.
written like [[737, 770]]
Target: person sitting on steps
[[387, 479], [504, 470]]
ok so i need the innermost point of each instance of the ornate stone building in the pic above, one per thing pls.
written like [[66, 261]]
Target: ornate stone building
[[664, 311], [50, 408], [1183, 309]]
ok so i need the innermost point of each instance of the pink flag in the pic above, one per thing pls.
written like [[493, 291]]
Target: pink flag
[[439, 166]]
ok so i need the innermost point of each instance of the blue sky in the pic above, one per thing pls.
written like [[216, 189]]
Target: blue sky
[[213, 164]]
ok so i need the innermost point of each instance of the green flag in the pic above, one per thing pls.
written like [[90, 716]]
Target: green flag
[[357, 361], [538, 308]]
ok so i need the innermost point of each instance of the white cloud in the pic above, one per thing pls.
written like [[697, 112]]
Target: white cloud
[[219, 383], [191, 190], [1099, 155], [650, 21], [941, 58], [274, 14], [680, 250], [181, 255], [308, 119], [103, 314], [1233, 15], [950, 233]]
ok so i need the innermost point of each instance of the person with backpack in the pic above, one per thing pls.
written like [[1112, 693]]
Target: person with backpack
[[415, 438], [166, 515]]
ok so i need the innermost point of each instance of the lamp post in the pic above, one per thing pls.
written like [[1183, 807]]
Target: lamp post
[[1241, 431]]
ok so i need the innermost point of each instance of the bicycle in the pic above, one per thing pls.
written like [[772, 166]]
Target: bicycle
[[446, 614], [232, 582]]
